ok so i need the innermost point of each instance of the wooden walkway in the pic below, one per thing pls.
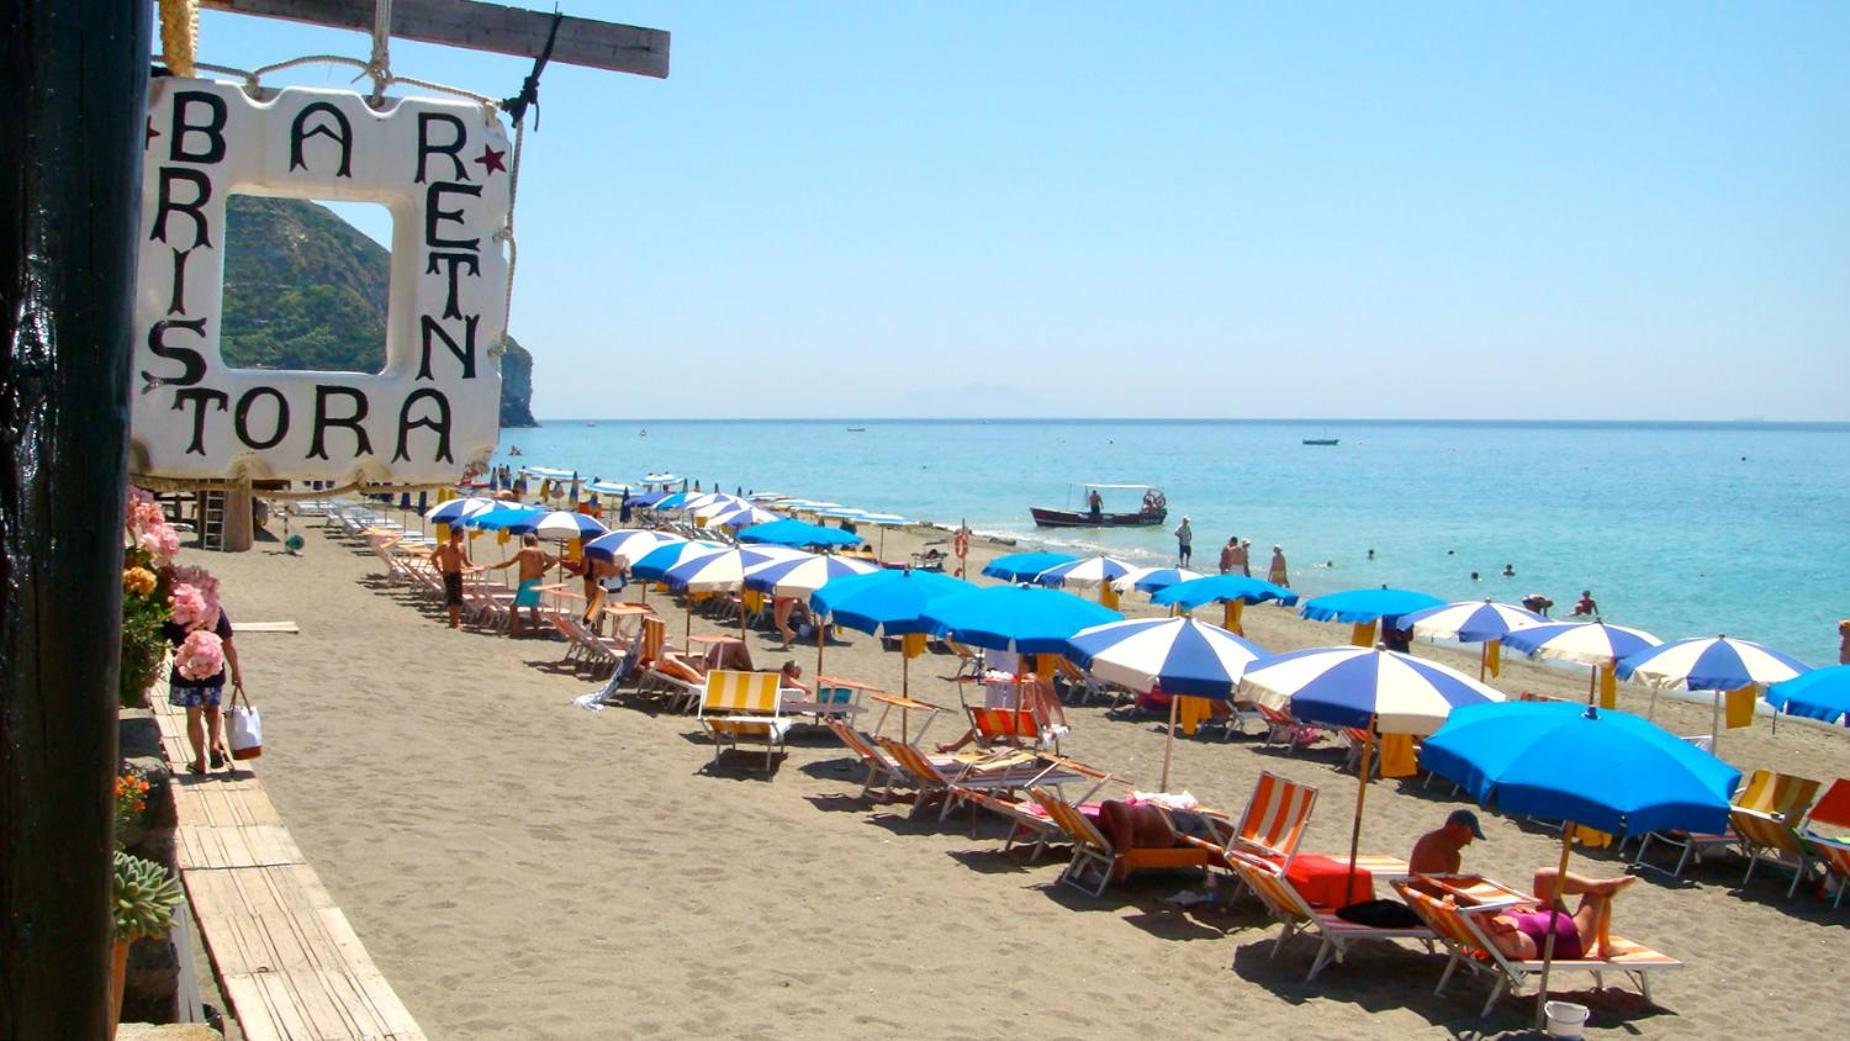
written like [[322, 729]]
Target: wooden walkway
[[288, 961]]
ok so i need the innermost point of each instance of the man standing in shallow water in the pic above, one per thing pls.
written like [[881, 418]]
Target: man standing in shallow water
[[533, 563], [1279, 575]]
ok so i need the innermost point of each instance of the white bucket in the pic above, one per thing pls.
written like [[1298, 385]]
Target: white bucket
[[1565, 1019]]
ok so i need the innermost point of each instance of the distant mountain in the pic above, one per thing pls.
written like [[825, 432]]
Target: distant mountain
[[306, 290]]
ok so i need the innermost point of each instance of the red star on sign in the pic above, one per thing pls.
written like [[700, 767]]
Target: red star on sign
[[152, 133], [490, 160]]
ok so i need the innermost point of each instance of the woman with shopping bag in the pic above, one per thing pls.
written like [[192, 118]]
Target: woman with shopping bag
[[244, 728]]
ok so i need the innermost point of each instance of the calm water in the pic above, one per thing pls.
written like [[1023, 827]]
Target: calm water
[[1681, 529]]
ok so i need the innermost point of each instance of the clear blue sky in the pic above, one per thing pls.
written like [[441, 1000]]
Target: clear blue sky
[[1422, 210]]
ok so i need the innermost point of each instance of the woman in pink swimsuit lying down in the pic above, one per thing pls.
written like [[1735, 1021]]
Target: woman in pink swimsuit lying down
[[1524, 934]]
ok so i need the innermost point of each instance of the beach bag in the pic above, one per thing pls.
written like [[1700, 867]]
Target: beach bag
[[244, 729]]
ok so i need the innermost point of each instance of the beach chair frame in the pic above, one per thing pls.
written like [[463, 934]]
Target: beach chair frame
[[1459, 929], [738, 707], [1288, 907]]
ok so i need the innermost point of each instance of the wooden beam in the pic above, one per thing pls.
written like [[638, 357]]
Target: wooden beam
[[482, 27]]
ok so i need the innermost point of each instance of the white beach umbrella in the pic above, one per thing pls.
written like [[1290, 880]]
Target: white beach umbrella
[[627, 545], [802, 575]]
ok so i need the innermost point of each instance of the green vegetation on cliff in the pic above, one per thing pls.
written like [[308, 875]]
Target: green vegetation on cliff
[[306, 290]]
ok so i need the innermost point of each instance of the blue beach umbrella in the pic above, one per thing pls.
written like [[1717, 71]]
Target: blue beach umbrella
[[1512, 755], [1714, 663], [1598, 644], [1023, 619], [500, 517], [1154, 579], [671, 501], [887, 603], [792, 532], [1021, 567], [1472, 621], [1367, 605], [1223, 589], [1819, 694], [1180, 655]]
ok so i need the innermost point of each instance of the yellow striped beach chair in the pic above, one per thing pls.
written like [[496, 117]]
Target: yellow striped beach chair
[[1459, 928], [743, 707], [1767, 792], [1288, 907]]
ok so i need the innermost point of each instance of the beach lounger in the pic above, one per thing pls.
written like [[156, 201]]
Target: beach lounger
[[1770, 838], [1461, 930], [882, 769], [1093, 853], [1027, 816], [1288, 907], [1272, 824], [948, 781], [1826, 833], [1282, 726], [1766, 792], [743, 707]]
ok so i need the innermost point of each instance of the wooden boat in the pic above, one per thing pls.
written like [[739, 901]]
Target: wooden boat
[[857, 430], [1154, 511]]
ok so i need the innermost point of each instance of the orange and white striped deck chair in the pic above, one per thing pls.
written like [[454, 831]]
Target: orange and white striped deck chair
[[1027, 817], [1461, 929], [743, 707], [1287, 906], [1010, 726], [1094, 853], [1274, 820], [882, 768], [1767, 792]]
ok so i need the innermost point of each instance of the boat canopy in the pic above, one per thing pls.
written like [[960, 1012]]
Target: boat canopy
[[1127, 487], [551, 472]]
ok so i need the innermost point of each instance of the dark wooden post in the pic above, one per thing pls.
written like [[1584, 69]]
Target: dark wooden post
[[73, 86]]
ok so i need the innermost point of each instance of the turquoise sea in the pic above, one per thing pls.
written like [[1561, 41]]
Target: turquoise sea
[[1680, 528]]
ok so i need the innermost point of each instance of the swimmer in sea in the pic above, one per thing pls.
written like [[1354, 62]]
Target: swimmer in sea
[[1509, 571]]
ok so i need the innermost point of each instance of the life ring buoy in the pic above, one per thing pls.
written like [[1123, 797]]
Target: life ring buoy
[[961, 544]]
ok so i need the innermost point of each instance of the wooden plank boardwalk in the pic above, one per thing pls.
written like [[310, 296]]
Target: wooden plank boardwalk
[[288, 961]]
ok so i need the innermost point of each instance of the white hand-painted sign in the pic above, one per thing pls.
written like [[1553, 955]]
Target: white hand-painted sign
[[439, 167]]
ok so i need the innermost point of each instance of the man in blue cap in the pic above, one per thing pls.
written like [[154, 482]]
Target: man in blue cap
[[1441, 852]]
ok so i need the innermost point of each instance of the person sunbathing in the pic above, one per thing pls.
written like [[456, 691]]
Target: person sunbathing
[[1524, 934]]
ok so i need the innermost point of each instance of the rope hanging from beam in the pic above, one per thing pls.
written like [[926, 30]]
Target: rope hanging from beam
[[179, 35]]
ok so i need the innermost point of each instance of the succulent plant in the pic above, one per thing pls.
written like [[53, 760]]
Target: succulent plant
[[145, 895]]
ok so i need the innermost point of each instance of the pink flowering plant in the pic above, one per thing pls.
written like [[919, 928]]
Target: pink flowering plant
[[156, 591]]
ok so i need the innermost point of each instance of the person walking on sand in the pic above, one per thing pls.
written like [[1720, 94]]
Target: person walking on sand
[[201, 697], [1843, 646], [452, 562], [1185, 543], [1229, 555], [533, 562], [1279, 574]]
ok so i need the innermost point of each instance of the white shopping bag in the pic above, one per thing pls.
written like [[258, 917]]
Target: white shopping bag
[[245, 728]]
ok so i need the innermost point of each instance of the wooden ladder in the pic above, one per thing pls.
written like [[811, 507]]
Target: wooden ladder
[[212, 520]]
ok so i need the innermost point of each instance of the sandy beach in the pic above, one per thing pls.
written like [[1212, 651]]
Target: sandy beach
[[522, 868]]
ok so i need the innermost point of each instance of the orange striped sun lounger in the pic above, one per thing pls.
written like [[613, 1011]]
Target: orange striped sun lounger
[[936, 781], [743, 707], [1028, 816], [1287, 906], [882, 767], [1274, 821], [1461, 928]]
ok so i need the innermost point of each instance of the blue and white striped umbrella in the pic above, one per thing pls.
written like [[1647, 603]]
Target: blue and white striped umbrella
[[1089, 573], [1154, 579], [1347, 686], [672, 501], [656, 563], [723, 571], [1180, 655], [502, 516], [1710, 663], [804, 574], [628, 545], [741, 515], [711, 503], [1471, 621], [456, 509], [558, 524], [1590, 643]]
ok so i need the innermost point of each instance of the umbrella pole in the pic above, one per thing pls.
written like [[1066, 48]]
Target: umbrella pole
[[1548, 945], [1169, 743], [1592, 681], [1715, 725], [905, 670], [818, 620], [1483, 659], [1361, 798]]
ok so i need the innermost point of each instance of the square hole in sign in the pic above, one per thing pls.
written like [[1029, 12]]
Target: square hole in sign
[[307, 285]]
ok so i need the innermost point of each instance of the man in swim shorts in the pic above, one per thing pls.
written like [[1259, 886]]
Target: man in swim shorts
[[533, 562], [1441, 851], [452, 562]]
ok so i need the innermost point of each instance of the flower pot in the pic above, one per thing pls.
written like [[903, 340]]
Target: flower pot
[[118, 969]]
